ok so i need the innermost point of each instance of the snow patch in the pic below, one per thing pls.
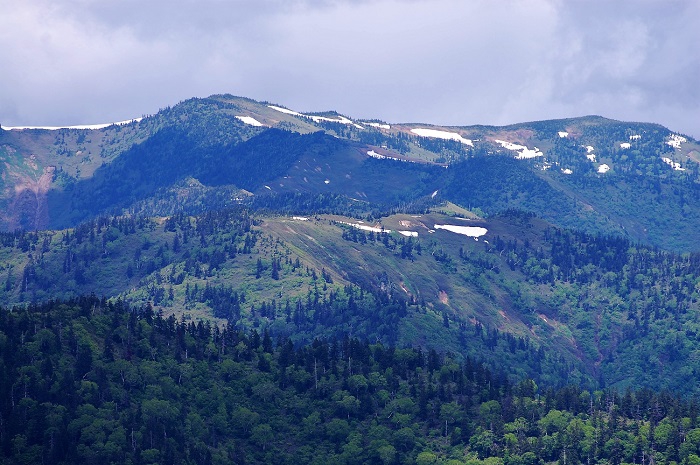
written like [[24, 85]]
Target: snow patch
[[673, 164], [314, 118], [300, 218], [625, 145], [567, 171], [675, 140], [563, 134], [635, 137], [408, 233], [379, 156], [81, 126], [591, 157], [471, 231], [602, 169], [327, 181], [366, 228], [379, 125], [284, 110], [589, 148], [432, 196], [435, 133], [249, 120], [523, 151]]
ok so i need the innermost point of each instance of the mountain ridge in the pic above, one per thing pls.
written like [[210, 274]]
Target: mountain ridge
[[514, 281], [598, 307], [213, 125]]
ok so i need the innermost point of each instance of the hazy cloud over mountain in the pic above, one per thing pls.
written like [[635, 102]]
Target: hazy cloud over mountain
[[441, 61]]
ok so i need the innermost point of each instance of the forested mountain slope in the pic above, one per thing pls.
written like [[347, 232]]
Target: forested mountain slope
[[85, 381], [312, 287], [635, 179], [526, 298]]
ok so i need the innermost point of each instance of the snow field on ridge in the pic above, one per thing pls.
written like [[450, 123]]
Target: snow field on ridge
[[438, 134], [80, 126]]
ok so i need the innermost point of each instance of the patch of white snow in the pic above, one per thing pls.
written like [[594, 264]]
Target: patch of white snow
[[563, 134], [673, 164], [408, 233], [471, 231], [432, 196], [675, 140], [379, 125], [602, 169], [379, 156], [80, 126], [523, 151], [567, 171], [327, 181], [284, 110], [249, 120], [589, 148], [341, 119], [314, 118], [625, 145], [635, 137], [435, 133], [366, 228], [300, 218], [591, 157]]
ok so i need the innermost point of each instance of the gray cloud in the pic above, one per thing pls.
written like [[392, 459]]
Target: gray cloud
[[442, 61]]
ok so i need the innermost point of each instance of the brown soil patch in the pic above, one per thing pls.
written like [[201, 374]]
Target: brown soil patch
[[30, 201]]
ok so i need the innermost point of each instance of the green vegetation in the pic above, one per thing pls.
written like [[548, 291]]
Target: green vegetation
[[228, 266], [531, 300], [217, 296], [87, 381]]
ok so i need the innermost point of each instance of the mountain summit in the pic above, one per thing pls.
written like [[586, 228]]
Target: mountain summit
[[635, 179]]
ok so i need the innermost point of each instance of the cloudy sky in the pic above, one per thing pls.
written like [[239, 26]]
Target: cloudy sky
[[452, 62]]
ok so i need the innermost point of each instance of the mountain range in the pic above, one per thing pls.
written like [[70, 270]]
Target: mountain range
[[633, 179], [304, 287], [535, 231]]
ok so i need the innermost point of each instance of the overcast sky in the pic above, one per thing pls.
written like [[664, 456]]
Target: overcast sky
[[451, 62]]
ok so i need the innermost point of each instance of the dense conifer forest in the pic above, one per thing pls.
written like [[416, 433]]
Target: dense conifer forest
[[91, 381]]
